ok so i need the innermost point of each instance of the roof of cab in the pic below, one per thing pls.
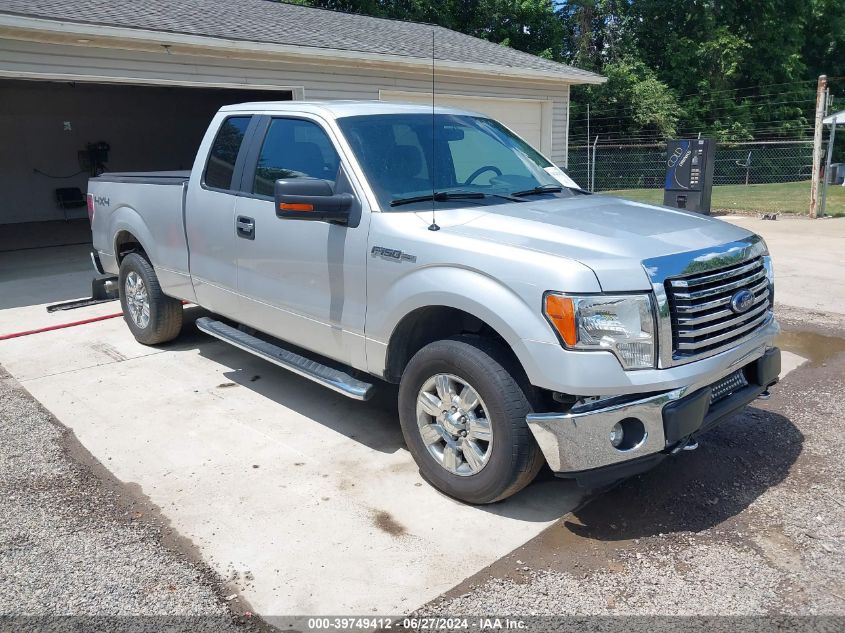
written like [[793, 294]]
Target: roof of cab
[[339, 109]]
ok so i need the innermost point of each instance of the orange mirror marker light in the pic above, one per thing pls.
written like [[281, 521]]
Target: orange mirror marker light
[[561, 312], [295, 206]]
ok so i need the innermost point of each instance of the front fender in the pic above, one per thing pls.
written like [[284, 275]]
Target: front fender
[[515, 318]]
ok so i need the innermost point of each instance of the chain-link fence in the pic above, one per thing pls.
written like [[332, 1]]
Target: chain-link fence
[[756, 176]]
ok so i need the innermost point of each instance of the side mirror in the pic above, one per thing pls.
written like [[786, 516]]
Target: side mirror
[[311, 199]]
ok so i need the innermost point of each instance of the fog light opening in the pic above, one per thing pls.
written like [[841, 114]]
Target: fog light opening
[[627, 434], [616, 435]]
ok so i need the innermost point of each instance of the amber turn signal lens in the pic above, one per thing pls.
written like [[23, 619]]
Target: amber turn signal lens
[[295, 206], [561, 312]]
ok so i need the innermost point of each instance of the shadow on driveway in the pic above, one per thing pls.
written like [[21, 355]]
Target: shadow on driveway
[[374, 424], [693, 491]]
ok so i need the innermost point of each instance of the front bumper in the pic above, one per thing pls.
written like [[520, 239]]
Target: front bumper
[[577, 443]]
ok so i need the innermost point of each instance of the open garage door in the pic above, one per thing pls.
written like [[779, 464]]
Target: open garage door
[[529, 118], [57, 134]]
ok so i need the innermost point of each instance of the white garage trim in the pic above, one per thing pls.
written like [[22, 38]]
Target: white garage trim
[[297, 92], [444, 98], [73, 33]]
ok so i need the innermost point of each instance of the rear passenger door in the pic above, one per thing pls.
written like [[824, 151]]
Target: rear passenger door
[[302, 281], [210, 213]]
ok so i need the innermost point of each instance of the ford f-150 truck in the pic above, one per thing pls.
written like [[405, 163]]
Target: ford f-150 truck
[[525, 321]]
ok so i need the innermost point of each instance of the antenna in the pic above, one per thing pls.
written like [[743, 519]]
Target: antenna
[[433, 226]]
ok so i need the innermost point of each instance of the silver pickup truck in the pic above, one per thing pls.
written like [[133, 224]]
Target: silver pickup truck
[[525, 321]]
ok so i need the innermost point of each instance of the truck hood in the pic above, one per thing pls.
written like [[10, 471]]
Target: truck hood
[[610, 235]]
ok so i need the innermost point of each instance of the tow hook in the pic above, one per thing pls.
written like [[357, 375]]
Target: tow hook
[[691, 445]]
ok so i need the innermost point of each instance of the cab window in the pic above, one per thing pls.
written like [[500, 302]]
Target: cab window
[[224, 152], [294, 148]]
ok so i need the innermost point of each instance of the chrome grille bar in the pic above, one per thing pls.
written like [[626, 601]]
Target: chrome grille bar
[[702, 318], [724, 336], [723, 301], [706, 279], [714, 316], [715, 327], [717, 290]]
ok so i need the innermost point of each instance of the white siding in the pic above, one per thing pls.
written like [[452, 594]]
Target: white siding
[[35, 59]]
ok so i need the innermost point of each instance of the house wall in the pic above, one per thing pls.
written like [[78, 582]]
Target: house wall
[[319, 80], [26, 127]]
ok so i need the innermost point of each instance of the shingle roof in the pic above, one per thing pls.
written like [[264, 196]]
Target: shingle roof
[[278, 23]]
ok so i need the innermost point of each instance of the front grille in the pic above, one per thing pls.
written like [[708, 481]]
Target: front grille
[[703, 322], [727, 385]]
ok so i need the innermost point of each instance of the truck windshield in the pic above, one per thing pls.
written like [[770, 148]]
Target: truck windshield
[[415, 160]]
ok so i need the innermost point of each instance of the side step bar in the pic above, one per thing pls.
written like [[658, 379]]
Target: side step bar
[[332, 378]]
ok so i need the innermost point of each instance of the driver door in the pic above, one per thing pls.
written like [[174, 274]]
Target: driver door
[[298, 280]]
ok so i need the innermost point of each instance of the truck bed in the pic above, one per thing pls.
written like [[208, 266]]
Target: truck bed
[[149, 206]]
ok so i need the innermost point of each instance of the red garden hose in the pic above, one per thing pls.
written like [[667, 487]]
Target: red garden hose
[[60, 326]]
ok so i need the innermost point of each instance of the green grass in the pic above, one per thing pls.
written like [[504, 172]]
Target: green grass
[[790, 197]]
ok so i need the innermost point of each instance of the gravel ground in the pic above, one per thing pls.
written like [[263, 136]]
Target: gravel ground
[[75, 542], [750, 524]]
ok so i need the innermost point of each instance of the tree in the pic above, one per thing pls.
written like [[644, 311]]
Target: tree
[[527, 25], [633, 103], [732, 69]]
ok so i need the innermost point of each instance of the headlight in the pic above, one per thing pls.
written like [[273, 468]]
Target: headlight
[[622, 324], [770, 271], [770, 275]]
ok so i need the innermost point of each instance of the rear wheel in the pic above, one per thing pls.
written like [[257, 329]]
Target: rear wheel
[[152, 316], [463, 417]]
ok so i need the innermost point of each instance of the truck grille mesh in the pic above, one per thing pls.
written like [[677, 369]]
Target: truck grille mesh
[[700, 308]]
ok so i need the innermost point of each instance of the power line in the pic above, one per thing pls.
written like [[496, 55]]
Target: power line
[[785, 83], [706, 112]]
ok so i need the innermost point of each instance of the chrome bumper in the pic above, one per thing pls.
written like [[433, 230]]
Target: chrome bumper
[[579, 440]]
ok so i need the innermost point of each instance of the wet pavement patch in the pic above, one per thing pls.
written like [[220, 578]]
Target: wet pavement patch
[[815, 347]]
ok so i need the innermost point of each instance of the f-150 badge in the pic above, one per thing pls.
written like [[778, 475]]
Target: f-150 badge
[[392, 254]]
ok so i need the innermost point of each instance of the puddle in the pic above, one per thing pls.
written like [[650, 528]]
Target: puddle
[[817, 348]]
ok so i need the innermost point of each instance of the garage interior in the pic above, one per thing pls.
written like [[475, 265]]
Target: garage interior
[[59, 134]]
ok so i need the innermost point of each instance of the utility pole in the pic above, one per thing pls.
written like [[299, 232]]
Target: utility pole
[[821, 90], [588, 148]]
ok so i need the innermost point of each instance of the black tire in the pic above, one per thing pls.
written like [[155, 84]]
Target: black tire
[[515, 459], [165, 319]]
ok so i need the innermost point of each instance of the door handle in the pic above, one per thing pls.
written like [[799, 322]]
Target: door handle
[[245, 227]]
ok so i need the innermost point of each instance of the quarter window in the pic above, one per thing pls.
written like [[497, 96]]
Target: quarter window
[[294, 148], [224, 152]]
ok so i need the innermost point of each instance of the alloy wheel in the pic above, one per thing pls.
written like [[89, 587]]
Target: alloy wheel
[[454, 425], [137, 299]]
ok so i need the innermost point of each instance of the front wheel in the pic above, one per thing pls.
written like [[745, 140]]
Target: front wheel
[[151, 315], [463, 417]]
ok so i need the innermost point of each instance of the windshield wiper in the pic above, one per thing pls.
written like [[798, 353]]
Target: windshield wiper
[[538, 190], [443, 196], [439, 196]]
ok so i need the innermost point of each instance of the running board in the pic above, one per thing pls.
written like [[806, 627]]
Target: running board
[[332, 378]]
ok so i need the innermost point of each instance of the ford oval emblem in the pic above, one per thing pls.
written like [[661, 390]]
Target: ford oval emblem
[[741, 301]]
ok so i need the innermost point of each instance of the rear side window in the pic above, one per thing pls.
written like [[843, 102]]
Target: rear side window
[[224, 152], [294, 148]]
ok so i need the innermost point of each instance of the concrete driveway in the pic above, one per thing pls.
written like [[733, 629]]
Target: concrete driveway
[[809, 257], [308, 501], [305, 499]]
